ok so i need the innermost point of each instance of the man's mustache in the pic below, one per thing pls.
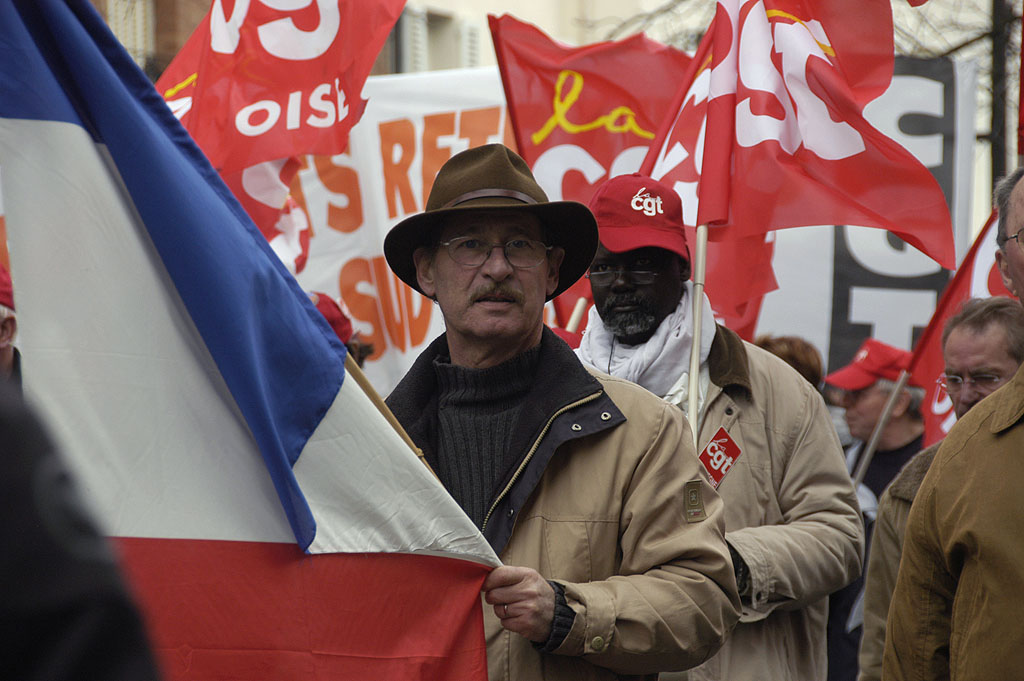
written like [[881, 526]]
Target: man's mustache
[[496, 291], [613, 300]]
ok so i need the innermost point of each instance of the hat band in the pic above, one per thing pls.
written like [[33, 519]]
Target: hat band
[[486, 193]]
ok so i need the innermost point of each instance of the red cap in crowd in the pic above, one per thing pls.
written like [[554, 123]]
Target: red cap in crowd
[[333, 314], [634, 211], [6, 288], [874, 360]]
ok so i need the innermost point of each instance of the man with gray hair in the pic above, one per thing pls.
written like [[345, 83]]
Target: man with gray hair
[[955, 609], [866, 382], [982, 345]]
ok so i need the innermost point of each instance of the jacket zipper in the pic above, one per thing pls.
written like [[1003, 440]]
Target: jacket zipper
[[529, 454]]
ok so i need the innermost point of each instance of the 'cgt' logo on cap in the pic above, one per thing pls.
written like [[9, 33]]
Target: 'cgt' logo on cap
[[650, 205]]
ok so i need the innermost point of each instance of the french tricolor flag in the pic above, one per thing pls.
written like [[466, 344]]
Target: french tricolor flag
[[272, 524]]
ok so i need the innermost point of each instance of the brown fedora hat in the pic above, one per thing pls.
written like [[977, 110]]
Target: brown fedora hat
[[494, 178]]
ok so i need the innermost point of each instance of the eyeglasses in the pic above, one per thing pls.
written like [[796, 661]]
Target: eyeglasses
[[473, 252], [1017, 237], [984, 383], [603, 275]]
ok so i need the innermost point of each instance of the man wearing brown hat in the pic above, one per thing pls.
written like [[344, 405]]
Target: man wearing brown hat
[[586, 486], [765, 436]]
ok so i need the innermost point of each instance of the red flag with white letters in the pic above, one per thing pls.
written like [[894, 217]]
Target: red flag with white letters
[[769, 130], [278, 79], [977, 277], [582, 115], [257, 86]]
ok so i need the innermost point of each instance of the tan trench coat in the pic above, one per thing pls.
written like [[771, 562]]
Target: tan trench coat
[[790, 511]]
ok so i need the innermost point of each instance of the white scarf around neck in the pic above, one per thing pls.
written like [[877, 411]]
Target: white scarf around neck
[[659, 363]]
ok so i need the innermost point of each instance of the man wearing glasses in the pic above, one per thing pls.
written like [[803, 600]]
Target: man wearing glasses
[[766, 439], [584, 480], [983, 346], [955, 610]]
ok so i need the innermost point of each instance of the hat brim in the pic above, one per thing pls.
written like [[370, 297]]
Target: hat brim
[[851, 377], [631, 237], [568, 224]]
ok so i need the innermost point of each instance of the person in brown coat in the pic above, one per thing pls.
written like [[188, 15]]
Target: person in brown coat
[[955, 611], [983, 346]]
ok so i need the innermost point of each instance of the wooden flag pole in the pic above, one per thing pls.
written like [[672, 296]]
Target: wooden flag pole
[[693, 391], [356, 373], [869, 450], [577, 315]]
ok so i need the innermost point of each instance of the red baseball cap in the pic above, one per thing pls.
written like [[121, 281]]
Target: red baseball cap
[[874, 360], [6, 288], [634, 211]]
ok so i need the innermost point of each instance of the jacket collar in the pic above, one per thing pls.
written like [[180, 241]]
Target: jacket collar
[[906, 483], [727, 363], [561, 380], [1009, 408]]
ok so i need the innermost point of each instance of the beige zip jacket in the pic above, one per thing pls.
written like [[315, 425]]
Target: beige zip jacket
[[790, 511], [610, 501]]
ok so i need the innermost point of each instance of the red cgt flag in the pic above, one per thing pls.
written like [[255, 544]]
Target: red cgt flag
[[271, 83], [257, 91], [594, 108], [977, 277], [582, 114], [769, 131]]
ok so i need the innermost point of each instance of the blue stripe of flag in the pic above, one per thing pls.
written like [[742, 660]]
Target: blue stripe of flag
[[279, 358]]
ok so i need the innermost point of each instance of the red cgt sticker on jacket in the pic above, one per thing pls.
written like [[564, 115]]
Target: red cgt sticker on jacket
[[719, 456]]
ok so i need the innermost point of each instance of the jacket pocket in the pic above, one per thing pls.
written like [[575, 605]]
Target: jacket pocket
[[568, 549]]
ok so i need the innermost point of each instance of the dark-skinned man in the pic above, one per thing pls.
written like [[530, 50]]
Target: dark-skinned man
[[586, 486], [765, 436]]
